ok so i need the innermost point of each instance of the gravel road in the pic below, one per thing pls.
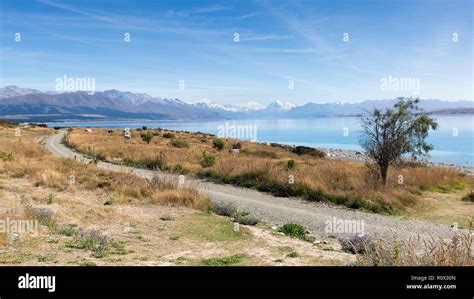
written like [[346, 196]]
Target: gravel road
[[277, 210]]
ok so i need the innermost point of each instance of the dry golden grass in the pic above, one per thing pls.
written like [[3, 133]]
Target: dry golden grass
[[419, 252], [25, 158], [343, 182]]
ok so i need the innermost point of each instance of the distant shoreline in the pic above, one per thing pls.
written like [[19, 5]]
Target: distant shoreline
[[339, 153], [45, 118], [359, 156]]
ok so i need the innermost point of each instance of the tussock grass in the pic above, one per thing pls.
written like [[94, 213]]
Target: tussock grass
[[416, 251], [29, 160], [267, 168]]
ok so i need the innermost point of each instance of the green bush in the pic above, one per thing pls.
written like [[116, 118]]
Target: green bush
[[207, 160], [304, 150], [291, 164], [178, 169], [236, 145], [218, 144], [168, 135], [67, 230], [294, 230], [6, 157], [179, 143], [147, 137], [224, 261]]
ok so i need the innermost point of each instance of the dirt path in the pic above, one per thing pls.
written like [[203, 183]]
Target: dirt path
[[277, 210]]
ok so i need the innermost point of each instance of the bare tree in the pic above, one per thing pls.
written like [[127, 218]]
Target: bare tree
[[395, 132]]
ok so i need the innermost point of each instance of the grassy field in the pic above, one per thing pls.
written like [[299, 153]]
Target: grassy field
[[88, 216], [271, 168]]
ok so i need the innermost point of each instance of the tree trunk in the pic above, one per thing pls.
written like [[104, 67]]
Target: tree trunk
[[383, 173]]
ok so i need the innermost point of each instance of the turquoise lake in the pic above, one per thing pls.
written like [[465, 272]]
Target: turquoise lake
[[453, 142]]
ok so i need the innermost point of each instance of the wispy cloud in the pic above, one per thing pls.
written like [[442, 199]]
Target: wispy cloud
[[253, 37], [198, 11], [246, 16], [83, 12]]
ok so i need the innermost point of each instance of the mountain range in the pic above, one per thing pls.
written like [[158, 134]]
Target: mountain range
[[31, 105]]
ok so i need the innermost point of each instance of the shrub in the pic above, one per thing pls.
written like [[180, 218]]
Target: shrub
[[50, 198], [245, 219], [207, 160], [168, 135], [218, 144], [178, 169], [179, 143], [158, 162], [292, 254], [144, 128], [224, 261], [92, 240], [6, 157], [294, 230], [291, 164], [44, 216], [304, 150], [67, 230], [260, 153], [147, 137], [224, 209], [469, 197], [236, 145], [356, 244]]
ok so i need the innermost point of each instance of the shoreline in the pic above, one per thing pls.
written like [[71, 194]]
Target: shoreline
[[336, 153], [359, 156]]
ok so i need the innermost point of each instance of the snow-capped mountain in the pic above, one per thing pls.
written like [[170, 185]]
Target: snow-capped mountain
[[135, 98], [110, 104], [30, 104], [249, 106], [13, 91], [280, 106]]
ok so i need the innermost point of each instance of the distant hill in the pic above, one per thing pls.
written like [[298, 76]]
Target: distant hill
[[24, 104]]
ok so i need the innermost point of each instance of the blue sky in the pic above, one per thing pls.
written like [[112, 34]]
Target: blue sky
[[279, 41]]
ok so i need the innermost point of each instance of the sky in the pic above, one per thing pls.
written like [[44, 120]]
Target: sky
[[244, 51]]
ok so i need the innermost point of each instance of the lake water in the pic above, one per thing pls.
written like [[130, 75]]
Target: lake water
[[453, 142]]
